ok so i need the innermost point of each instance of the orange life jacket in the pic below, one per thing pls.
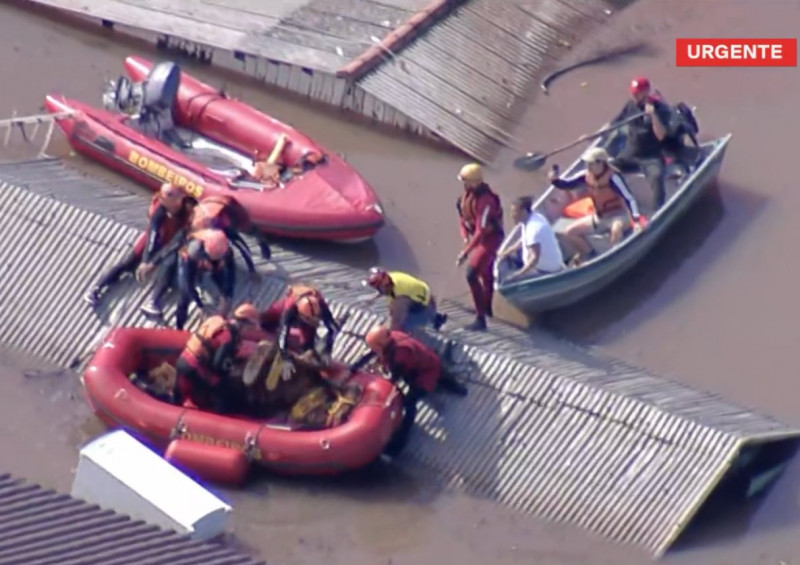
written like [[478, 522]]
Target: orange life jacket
[[468, 209], [201, 343], [212, 212], [203, 264], [604, 197]]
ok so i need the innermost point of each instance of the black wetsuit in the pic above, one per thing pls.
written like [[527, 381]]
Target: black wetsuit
[[180, 272], [643, 150], [136, 256], [169, 258]]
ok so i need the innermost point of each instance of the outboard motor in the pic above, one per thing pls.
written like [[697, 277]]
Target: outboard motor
[[159, 93]]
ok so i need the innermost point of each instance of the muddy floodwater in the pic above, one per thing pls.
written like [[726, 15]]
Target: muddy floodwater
[[714, 306]]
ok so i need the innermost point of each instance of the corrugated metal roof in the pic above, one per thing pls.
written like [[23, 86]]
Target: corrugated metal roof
[[43, 527], [466, 76], [548, 428]]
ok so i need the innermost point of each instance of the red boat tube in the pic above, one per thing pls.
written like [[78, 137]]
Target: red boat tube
[[328, 202], [215, 463], [120, 403]]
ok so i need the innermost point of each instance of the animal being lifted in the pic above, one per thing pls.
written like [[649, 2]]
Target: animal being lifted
[[307, 398]]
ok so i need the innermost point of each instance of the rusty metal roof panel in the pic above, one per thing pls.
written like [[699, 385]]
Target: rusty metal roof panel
[[466, 77], [43, 527], [494, 71], [548, 428], [466, 131]]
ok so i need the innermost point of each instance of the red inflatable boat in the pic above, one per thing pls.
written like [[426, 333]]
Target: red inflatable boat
[[220, 447], [163, 125]]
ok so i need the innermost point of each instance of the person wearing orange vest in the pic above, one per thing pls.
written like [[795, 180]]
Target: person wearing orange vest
[[406, 358], [614, 203], [480, 216], [226, 214], [205, 250], [303, 308], [411, 304], [203, 368], [169, 213]]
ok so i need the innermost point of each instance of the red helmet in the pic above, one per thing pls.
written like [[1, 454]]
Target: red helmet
[[377, 338], [640, 85], [214, 242], [310, 309], [380, 280], [247, 312]]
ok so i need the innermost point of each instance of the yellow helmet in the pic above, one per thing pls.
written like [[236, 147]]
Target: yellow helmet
[[472, 173]]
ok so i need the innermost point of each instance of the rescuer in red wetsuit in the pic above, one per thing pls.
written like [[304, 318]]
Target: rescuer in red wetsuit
[[205, 250], [226, 214], [213, 212], [168, 214], [407, 358], [480, 216], [303, 308], [203, 368]]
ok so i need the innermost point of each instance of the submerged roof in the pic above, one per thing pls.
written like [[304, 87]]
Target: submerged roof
[[459, 69], [548, 428], [43, 527]]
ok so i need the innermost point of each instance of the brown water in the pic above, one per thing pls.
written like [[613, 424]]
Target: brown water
[[714, 305]]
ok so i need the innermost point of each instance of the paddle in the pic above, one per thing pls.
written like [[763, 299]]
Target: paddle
[[533, 161]]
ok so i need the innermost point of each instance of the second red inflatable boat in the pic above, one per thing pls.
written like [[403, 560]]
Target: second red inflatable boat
[[162, 125], [223, 447]]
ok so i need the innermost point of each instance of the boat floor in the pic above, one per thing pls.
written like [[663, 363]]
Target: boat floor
[[216, 156]]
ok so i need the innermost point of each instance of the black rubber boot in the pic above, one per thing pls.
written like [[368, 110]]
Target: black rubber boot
[[478, 325]]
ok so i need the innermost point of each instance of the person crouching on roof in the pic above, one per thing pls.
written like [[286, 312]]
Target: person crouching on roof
[[411, 304], [204, 251], [408, 359], [168, 214]]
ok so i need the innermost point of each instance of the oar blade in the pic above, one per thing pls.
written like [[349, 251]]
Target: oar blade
[[530, 162]]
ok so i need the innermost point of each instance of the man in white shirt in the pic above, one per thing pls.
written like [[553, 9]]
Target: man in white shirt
[[537, 252]]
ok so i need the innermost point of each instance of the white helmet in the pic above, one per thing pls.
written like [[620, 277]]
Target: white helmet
[[596, 154]]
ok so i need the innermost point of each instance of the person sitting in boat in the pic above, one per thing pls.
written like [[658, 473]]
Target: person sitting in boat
[[537, 252], [168, 214], [226, 214], [302, 309], [270, 170], [204, 251], [647, 137], [205, 368], [614, 204], [408, 359], [411, 304]]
